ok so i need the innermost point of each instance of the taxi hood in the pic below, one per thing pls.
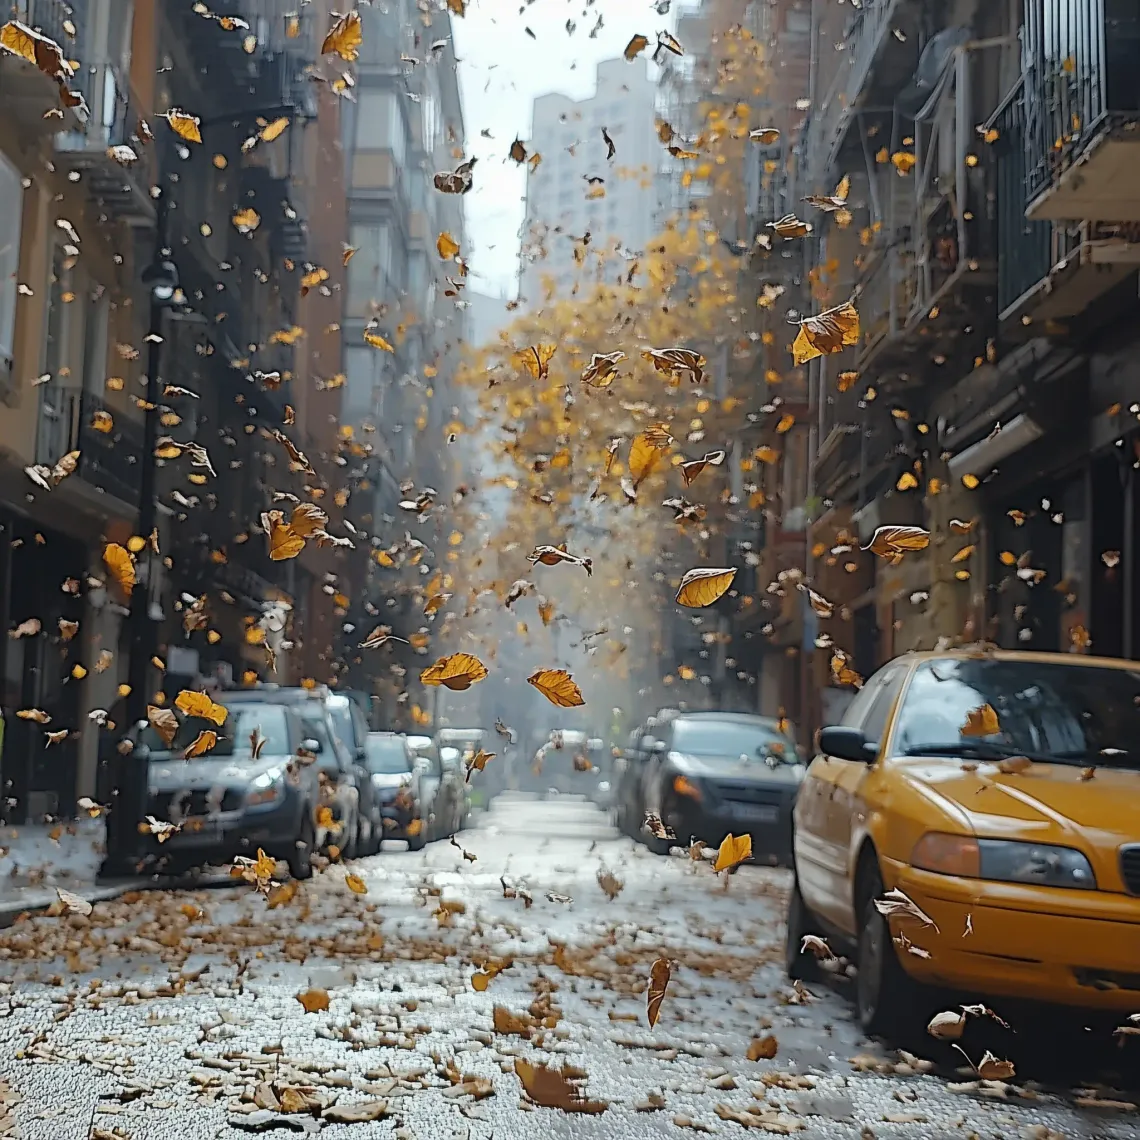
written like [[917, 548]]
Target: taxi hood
[[1046, 803]]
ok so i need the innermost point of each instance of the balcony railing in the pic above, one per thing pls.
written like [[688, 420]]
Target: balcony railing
[[109, 461], [869, 24], [1082, 82]]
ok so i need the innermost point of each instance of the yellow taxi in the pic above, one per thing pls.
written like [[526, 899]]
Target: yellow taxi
[[974, 824]]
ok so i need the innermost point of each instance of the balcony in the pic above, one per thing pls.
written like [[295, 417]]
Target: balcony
[[29, 97], [1082, 103], [1048, 271], [121, 189], [109, 462], [866, 38]]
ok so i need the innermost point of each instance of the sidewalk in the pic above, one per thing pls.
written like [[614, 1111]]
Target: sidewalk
[[35, 859]]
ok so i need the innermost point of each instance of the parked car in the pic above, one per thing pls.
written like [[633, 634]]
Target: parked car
[[351, 724], [712, 773], [395, 775], [442, 789], [453, 761], [340, 775], [999, 792], [630, 768], [239, 796]]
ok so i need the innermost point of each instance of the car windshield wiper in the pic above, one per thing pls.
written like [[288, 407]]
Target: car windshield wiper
[[991, 750]]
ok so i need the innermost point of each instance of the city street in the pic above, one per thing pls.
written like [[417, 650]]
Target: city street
[[176, 1013]]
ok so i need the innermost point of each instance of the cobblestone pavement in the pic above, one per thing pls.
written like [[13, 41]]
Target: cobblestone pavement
[[175, 1014]]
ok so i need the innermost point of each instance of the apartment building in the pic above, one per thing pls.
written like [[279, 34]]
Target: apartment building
[[577, 190]]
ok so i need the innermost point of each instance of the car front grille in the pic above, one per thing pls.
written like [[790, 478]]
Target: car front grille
[[1130, 868], [742, 792], [184, 804]]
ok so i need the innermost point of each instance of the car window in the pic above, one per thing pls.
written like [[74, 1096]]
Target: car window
[[860, 707], [388, 755], [875, 723], [235, 735], [708, 737]]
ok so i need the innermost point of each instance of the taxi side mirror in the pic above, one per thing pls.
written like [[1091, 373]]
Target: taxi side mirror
[[848, 744]]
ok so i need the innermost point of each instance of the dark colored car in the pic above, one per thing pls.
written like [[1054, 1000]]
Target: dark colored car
[[394, 776], [443, 798], [351, 724], [340, 775], [629, 773], [713, 773], [227, 802]]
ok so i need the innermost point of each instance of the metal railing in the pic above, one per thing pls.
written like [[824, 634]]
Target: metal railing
[[886, 293], [869, 24], [1081, 77], [109, 461]]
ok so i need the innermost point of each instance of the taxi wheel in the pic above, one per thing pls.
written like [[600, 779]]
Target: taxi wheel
[[800, 965], [887, 998]]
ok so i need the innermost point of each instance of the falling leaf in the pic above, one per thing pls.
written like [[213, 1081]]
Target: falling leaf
[[38, 715], [763, 1048], [457, 181], [121, 565], [681, 362], [344, 38], [846, 380], [892, 542], [552, 556], [786, 424], [1079, 639], [789, 227], [246, 221], [947, 1026], [164, 722], [897, 904], [459, 671], [558, 687], [659, 975], [602, 369], [982, 721], [75, 904], [691, 469], [734, 849], [284, 542], [812, 943], [957, 526], [314, 1000], [991, 1068], [555, 1088], [200, 705], [831, 203], [356, 884], [518, 151], [201, 744], [635, 47], [273, 129], [374, 339], [828, 332], [904, 161], [703, 586], [536, 359], [446, 246], [765, 136], [59, 737], [963, 554], [477, 762], [45, 54], [185, 126]]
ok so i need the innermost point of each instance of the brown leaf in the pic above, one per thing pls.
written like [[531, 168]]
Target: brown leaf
[[763, 1048], [555, 1088], [602, 369], [691, 469], [947, 1026], [446, 246], [344, 38], [704, 585], [826, 333], [982, 721], [75, 904], [121, 565], [551, 556], [314, 1000], [659, 975], [457, 181], [164, 722], [558, 687], [45, 54], [678, 362], [459, 671], [892, 542], [478, 762], [284, 542], [635, 47], [991, 1068], [789, 226], [201, 744], [536, 359]]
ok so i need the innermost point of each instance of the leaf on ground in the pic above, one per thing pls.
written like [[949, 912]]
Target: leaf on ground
[[556, 1088], [314, 1000]]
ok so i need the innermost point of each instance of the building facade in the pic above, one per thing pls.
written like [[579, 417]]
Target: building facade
[[581, 204]]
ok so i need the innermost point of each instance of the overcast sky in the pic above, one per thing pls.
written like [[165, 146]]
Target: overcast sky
[[501, 70]]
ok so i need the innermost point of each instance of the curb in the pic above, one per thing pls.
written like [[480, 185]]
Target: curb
[[10, 912]]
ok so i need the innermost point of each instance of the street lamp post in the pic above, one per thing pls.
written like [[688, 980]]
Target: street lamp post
[[130, 775]]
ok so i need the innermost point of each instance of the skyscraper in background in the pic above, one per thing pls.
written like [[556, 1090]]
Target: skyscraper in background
[[576, 189]]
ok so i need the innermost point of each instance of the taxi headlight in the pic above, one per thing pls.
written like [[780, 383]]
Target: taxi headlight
[[1043, 864]]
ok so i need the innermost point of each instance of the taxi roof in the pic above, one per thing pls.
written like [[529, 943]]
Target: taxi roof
[[987, 652]]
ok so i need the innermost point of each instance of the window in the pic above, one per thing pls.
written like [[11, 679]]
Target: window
[[362, 368], [11, 218], [95, 340], [370, 267], [380, 124], [875, 723]]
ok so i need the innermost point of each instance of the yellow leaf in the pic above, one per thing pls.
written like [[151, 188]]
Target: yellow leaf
[[377, 341], [1008, 558], [200, 705], [907, 482], [314, 1000], [284, 541], [446, 246], [846, 380], [535, 359], [659, 974], [891, 542], [201, 744], [982, 721], [635, 47], [644, 452], [964, 553], [970, 481], [829, 332], [678, 362], [703, 586], [185, 126], [904, 161], [457, 672], [558, 687], [356, 884], [121, 565], [103, 421], [789, 226], [415, 826], [735, 849], [786, 423], [274, 129], [247, 220], [344, 38]]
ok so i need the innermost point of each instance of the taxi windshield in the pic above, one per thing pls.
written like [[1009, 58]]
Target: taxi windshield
[[993, 707]]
